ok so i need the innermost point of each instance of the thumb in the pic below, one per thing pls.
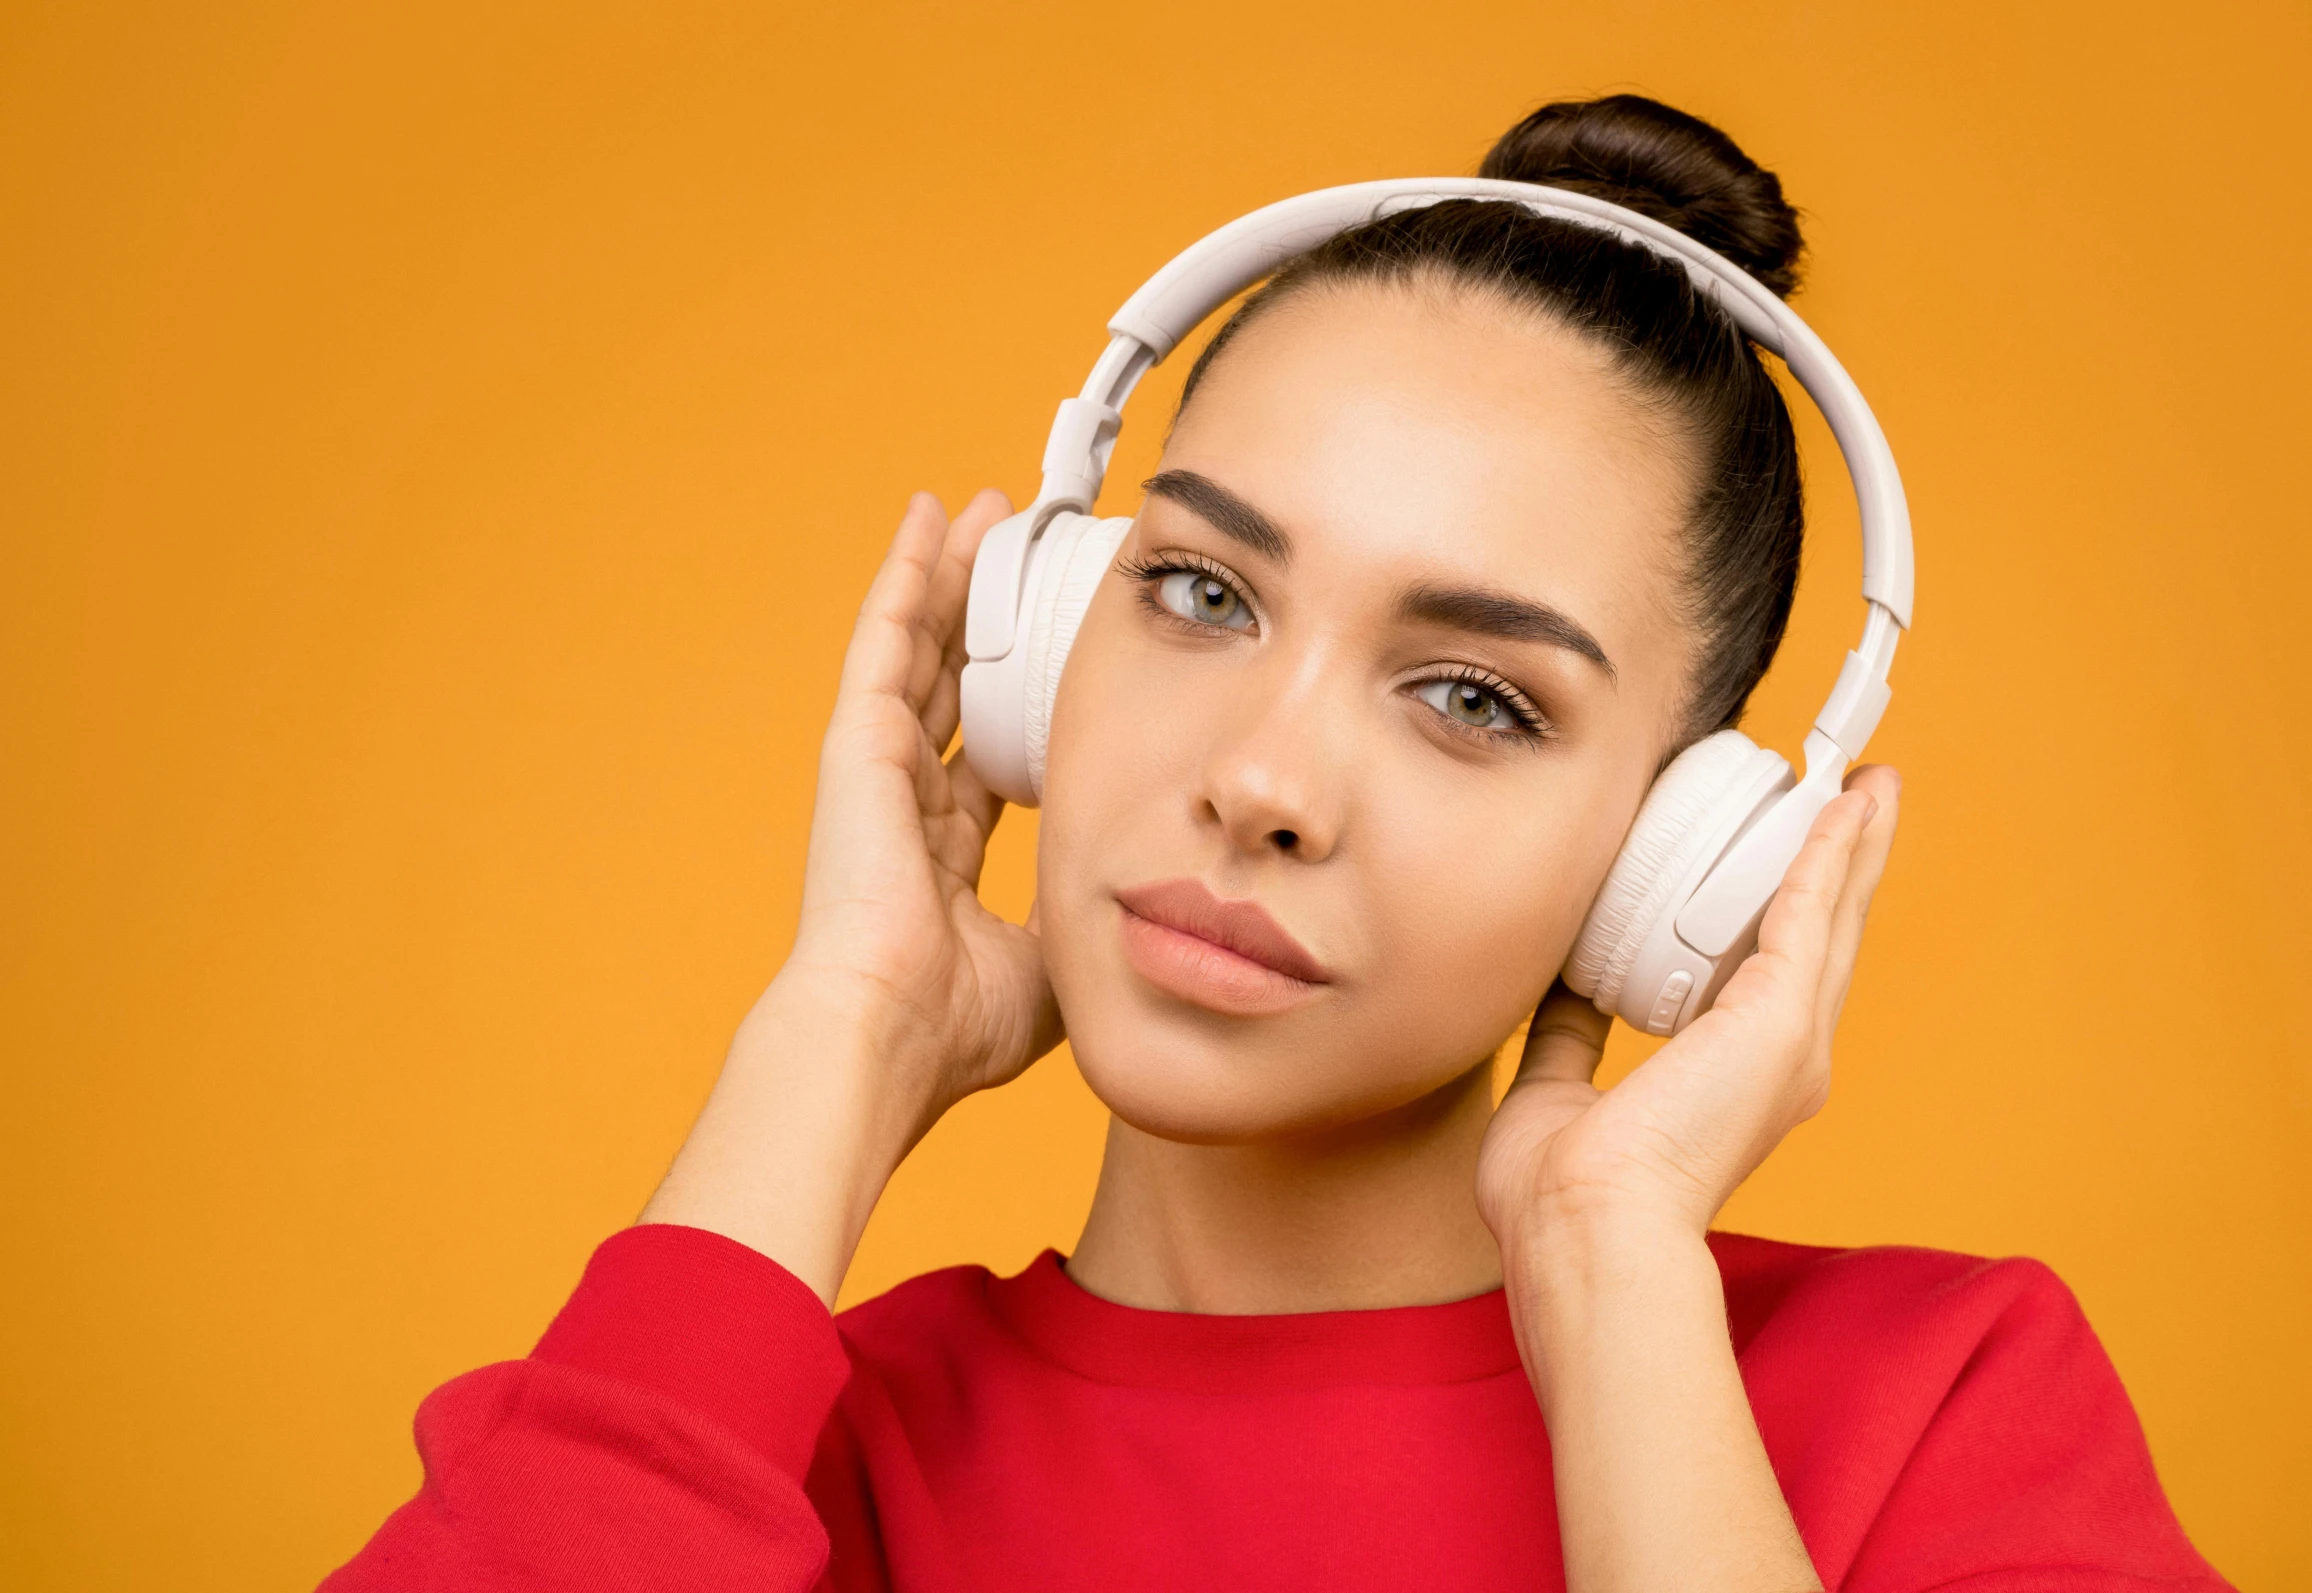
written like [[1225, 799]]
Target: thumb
[[1567, 1039]]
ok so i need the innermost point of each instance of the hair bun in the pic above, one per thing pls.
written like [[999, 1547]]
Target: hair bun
[[1661, 163]]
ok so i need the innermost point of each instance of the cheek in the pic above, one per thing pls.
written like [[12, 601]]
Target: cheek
[[1477, 896], [1132, 727], [1113, 770], [1109, 699]]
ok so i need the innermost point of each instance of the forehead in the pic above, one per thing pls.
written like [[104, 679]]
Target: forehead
[[1425, 432]]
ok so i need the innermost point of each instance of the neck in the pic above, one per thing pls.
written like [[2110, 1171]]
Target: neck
[[1379, 1213]]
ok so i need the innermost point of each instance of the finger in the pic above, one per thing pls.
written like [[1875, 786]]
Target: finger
[[1567, 1039], [943, 709], [957, 821], [1869, 863], [881, 657], [939, 623], [1864, 871], [1797, 928], [951, 582], [973, 799], [942, 704]]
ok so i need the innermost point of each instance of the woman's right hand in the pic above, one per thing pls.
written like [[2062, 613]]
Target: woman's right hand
[[893, 934], [902, 994]]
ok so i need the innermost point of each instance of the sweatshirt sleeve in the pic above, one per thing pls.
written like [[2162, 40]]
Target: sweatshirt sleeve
[[2032, 1474], [657, 1437]]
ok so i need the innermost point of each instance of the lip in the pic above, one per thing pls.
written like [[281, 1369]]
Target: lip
[[1229, 957]]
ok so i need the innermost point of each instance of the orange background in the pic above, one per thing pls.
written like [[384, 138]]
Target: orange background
[[442, 447]]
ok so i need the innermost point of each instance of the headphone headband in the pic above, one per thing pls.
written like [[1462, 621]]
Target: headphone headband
[[1215, 269], [1206, 275]]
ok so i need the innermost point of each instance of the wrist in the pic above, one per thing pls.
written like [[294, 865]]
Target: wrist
[[1591, 1243], [857, 1040], [1579, 1274], [846, 1011], [802, 1131], [1552, 1215]]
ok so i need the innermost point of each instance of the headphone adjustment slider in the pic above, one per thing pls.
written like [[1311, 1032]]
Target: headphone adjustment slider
[[1855, 705], [1076, 456]]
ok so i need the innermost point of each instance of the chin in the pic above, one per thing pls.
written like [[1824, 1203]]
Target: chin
[[1198, 1078], [1193, 1094]]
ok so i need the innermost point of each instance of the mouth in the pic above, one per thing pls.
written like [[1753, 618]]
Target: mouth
[[1228, 957]]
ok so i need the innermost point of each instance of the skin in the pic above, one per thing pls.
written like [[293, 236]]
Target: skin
[[1288, 739]]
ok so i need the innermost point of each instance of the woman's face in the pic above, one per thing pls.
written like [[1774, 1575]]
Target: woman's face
[[1355, 726]]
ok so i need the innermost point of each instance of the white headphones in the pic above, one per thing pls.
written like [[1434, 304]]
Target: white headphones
[[1680, 908]]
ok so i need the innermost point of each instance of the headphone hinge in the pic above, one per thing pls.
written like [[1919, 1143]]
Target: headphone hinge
[[1076, 454], [1855, 705]]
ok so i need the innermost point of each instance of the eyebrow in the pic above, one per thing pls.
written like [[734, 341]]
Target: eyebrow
[[1222, 510], [1482, 610], [1490, 612]]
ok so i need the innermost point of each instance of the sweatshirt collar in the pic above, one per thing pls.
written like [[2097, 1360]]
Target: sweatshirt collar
[[1409, 1345]]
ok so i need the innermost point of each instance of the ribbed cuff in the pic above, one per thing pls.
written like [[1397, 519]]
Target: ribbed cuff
[[704, 1320]]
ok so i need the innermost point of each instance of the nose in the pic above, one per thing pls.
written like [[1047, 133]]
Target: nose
[[1274, 779]]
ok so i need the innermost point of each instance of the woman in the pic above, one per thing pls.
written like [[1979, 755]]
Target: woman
[[1468, 523]]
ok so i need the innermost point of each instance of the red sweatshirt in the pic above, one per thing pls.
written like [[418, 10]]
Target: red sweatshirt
[[694, 1419]]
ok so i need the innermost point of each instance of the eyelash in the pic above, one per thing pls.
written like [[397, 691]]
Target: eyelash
[[1147, 571], [1533, 725]]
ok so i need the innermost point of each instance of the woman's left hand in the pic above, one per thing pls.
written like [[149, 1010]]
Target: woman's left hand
[[1600, 1200], [1696, 1118]]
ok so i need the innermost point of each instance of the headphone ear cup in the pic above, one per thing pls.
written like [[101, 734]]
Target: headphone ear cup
[[1078, 550], [1694, 809]]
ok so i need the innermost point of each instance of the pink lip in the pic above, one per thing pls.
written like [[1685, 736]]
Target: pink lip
[[1227, 956]]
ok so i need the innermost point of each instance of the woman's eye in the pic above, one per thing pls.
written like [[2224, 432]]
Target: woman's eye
[[1470, 704], [1206, 599]]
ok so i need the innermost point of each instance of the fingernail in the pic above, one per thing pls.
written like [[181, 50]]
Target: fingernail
[[1869, 809]]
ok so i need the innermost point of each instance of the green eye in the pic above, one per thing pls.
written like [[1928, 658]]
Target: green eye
[[1206, 599], [1466, 702]]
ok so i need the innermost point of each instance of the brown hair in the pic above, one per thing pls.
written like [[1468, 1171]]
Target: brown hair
[[1748, 517]]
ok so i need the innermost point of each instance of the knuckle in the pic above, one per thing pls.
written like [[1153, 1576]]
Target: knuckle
[[1809, 888]]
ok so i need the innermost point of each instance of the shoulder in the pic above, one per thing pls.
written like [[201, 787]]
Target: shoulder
[[1909, 1332], [1902, 1292], [1901, 1390], [924, 1342], [925, 1311], [930, 1362]]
